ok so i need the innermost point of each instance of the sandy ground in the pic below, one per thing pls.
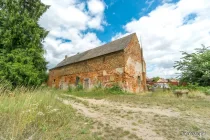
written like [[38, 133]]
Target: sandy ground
[[130, 121]]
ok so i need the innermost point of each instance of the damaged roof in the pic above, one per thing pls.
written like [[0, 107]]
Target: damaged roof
[[114, 46]]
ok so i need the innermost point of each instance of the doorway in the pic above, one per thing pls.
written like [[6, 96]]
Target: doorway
[[77, 81], [86, 83]]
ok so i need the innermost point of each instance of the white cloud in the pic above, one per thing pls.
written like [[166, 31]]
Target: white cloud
[[95, 23], [162, 72], [56, 49], [169, 29], [96, 7], [68, 23]]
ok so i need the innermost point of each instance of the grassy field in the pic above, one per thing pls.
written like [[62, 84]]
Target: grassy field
[[37, 114], [102, 114]]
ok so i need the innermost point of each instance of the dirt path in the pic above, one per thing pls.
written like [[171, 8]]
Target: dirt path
[[130, 122]]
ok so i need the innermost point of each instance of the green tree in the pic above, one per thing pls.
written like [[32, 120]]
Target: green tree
[[21, 50], [155, 79], [195, 67]]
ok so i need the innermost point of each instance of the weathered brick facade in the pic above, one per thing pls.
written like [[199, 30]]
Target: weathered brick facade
[[135, 67], [124, 67]]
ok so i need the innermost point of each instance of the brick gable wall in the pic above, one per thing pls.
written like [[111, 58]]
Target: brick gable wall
[[135, 68]]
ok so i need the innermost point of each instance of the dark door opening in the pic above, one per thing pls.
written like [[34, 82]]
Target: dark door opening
[[77, 81], [139, 80]]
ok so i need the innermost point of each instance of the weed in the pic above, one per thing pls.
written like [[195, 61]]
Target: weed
[[36, 114], [79, 87]]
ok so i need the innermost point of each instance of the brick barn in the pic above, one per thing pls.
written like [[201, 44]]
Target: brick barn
[[118, 62]]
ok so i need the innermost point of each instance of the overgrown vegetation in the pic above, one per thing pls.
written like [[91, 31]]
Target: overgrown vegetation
[[195, 67], [193, 88], [97, 91], [37, 114], [21, 51], [40, 113]]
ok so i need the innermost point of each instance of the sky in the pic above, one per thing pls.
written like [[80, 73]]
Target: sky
[[164, 28]]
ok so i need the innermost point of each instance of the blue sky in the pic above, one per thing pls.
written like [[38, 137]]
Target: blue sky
[[165, 27], [120, 12]]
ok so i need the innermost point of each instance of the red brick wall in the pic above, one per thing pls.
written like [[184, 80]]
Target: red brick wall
[[121, 67], [106, 69], [134, 67]]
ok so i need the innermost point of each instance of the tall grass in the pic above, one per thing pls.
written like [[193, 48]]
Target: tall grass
[[194, 88], [37, 114]]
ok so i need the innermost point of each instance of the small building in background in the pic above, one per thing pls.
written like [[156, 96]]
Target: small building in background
[[162, 83], [162, 80], [149, 81], [174, 82], [119, 62]]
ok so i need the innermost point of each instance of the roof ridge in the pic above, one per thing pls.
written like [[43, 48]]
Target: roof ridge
[[113, 46], [104, 44]]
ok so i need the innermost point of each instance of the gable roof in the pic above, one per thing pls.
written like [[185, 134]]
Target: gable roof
[[161, 80], [114, 46]]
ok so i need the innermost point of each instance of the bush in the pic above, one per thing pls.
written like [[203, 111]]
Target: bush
[[79, 87], [115, 89], [193, 87]]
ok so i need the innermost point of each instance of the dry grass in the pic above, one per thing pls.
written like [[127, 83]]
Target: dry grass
[[193, 111], [36, 114]]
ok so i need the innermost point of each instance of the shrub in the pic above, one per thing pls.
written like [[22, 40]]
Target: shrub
[[115, 89], [192, 87], [79, 87]]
